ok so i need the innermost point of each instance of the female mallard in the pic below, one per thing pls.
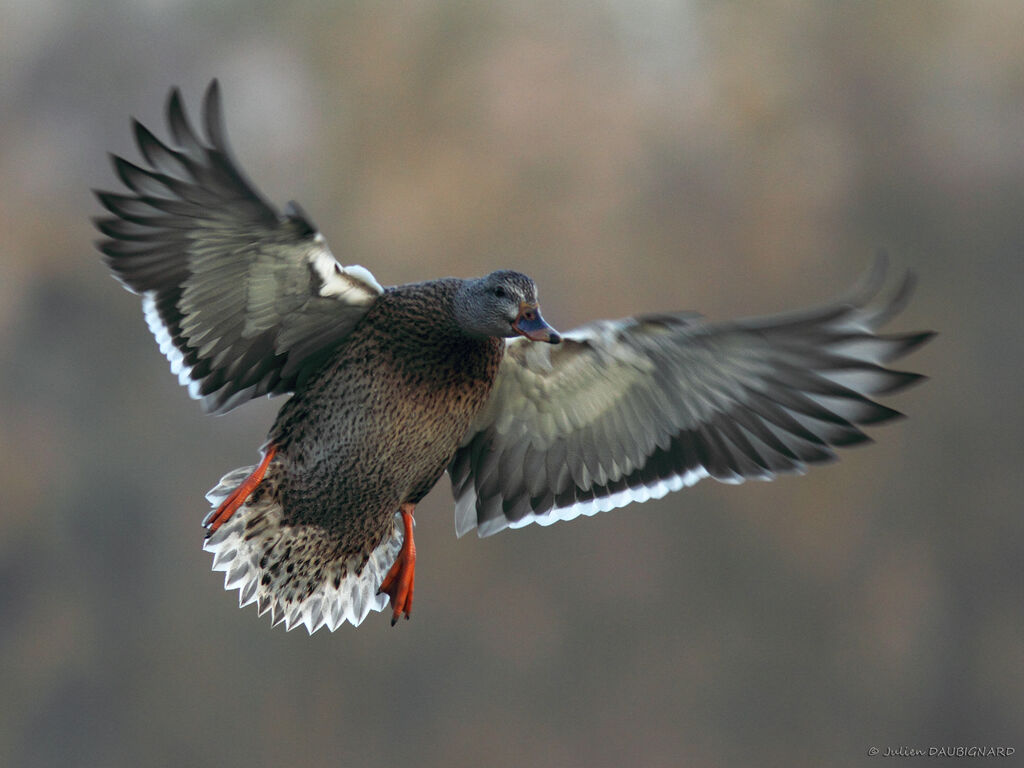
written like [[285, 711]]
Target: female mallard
[[392, 386]]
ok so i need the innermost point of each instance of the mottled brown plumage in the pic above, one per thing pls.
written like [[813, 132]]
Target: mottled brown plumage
[[391, 387], [377, 424]]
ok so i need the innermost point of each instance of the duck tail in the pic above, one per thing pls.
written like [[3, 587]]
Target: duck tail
[[292, 571]]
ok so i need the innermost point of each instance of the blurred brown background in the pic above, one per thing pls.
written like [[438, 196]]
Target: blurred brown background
[[732, 158]]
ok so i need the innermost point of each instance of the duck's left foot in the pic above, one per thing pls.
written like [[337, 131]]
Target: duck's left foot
[[398, 584]]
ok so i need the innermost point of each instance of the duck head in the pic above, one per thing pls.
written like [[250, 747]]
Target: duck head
[[503, 304]]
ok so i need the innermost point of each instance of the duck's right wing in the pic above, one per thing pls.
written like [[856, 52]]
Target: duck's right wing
[[242, 300]]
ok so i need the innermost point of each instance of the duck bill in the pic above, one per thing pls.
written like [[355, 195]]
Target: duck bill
[[531, 325]]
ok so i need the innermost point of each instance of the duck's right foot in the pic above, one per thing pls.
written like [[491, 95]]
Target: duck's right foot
[[401, 578], [238, 496]]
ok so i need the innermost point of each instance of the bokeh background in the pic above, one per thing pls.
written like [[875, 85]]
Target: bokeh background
[[732, 158]]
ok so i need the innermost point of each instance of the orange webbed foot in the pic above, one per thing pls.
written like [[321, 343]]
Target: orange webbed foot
[[238, 496], [401, 578]]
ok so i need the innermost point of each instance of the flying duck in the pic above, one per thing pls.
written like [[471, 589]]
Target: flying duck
[[393, 386]]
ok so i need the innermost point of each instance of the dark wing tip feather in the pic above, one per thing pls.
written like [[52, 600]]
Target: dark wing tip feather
[[213, 117], [127, 207], [99, 194], [108, 199], [898, 381], [919, 338], [138, 179], [124, 170], [177, 118], [905, 343], [850, 438], [156, 153], [143, 136], [881, 414], [175, 107]]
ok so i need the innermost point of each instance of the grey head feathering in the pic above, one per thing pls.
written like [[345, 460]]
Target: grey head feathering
[[502, 304]]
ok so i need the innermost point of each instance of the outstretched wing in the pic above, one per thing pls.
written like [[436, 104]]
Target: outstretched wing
[[629, 410], [242, 300]]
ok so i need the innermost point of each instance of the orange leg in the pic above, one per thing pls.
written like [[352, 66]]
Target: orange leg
[[238, 496], [398, 584]]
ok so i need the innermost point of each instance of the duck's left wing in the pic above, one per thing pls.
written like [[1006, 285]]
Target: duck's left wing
[[629, 410]]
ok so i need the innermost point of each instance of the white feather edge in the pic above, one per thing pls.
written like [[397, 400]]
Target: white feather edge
[[328, 606], [163, 339], [465, 507]]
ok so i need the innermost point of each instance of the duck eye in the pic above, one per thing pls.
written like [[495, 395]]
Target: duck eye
[[500, 292]]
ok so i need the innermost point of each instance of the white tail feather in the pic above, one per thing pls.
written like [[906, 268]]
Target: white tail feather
[[255, 551]]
